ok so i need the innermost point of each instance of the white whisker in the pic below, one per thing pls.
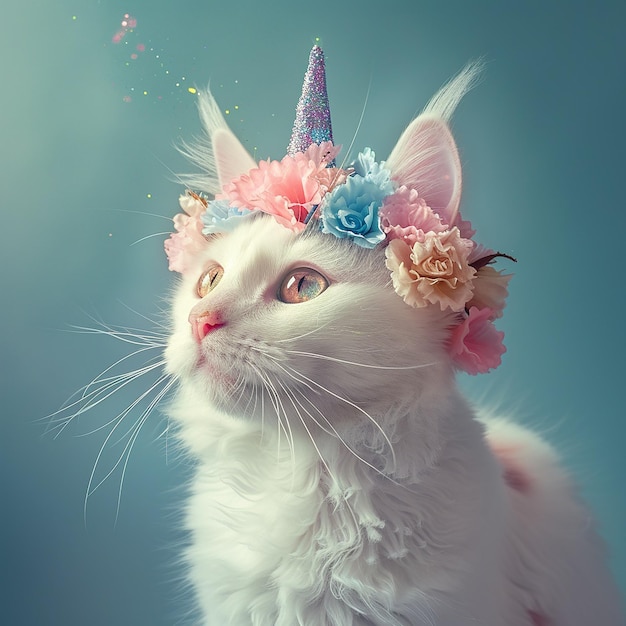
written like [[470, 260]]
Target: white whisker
[[142, 420], [260, 375], [317, 388], [108, 383], [335, 433], [241, 386], [91, 489], [177, 177], [291, 395], [279, 408], [119, 419], [112, 385], [314, 330], [285, 426], [296, 375], [293, 400], [126, 335], [149, 237], [152, 403], [345, 362], [154, 322], [128, 449], [358, 126], [163, 217]]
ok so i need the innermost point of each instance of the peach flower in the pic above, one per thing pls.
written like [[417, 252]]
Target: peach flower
[[331, 177], [434, 271], [490, 290]]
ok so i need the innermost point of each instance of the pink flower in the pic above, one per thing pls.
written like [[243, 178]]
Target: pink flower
[[433, 271], [188, 239], [475, 345], [324, 152], [405, 215], [286, 189], [490, 290], [464, 226]]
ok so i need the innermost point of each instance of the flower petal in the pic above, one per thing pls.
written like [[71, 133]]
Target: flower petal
[[475, 345], [490, 290]]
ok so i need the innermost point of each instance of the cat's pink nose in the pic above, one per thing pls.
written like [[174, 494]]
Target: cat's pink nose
[[202, 324]]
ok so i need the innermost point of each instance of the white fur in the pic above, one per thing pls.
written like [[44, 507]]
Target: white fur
[[334, 493], [340, 477]]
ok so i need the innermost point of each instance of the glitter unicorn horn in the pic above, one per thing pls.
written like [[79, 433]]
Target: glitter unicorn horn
[[312, 123]]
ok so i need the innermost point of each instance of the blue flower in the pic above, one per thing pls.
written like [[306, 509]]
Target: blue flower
[[220, 217], [351, 210], [365, 165]]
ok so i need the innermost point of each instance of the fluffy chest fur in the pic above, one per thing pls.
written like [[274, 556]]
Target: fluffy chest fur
[[280, 537]]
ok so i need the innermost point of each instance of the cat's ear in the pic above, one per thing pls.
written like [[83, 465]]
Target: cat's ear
[[231, 158], [426, 157], [218, 153]]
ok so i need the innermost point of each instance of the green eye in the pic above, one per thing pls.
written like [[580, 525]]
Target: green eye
[[209, 280], [301, 285]]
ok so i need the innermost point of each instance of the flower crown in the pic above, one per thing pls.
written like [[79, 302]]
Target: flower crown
[[432, 259]]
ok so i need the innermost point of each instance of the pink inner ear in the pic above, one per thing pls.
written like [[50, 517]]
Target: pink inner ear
[[231, 158], [426, 158]]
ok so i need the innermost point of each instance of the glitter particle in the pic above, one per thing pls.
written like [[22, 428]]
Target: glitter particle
[[193, 90], [148, 195], [128, 23]]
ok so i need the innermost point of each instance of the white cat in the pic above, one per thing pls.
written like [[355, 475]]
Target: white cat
[[341, 479]]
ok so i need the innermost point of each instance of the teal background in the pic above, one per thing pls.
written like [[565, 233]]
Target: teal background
[[85, 175]]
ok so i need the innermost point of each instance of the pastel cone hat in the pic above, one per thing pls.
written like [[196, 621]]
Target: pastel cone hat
[[312, 123]]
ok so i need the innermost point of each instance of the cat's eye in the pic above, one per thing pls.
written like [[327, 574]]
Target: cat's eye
[[209, 280], [301, 285]]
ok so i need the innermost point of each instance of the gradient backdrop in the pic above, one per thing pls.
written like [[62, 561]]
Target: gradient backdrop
[[87, 162]]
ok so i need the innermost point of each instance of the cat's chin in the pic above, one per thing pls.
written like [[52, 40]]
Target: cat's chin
[[212, 374], [223, 389]]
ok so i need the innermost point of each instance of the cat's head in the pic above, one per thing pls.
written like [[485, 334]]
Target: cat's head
[[308, 286]]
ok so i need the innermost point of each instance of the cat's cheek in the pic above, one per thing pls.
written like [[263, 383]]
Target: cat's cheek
[[181, 354]]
